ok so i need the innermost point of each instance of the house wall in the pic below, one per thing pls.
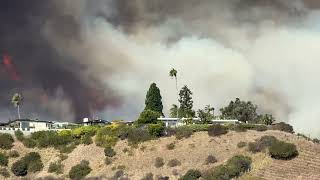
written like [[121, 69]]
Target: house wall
[[40, 126], [11, 131]]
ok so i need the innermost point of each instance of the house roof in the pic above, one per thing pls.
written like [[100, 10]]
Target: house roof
[[29, 120]]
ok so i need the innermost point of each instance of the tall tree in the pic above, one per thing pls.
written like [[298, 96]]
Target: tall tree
[[186, 103], [173, 73], [153, 99], [16, 100]]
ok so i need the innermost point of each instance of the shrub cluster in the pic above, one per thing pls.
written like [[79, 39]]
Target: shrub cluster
[[56, 168], [159, 162], [217, 130], [191, 174], [174, 163], [29, 163], [3, 160], [233, 168], [6, 141], [211, 159], [171, 146], [80, 171], [109, 135], [156, 130], [19, 135], [241, 144], [138, 135], [183, 132], [148, 176], [283, 127], [261, 144], [109, 152], [283, 150], [4, 172], [13, 154]]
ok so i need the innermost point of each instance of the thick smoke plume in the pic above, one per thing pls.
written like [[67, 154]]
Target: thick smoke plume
[[99, 56]]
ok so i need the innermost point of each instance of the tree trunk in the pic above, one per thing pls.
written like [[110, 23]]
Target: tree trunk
[[177, 96], [19, 112]]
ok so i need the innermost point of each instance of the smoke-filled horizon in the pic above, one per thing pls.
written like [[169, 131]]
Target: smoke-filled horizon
[[98, 57]]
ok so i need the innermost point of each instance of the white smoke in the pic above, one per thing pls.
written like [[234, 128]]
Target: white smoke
[[272, 61]]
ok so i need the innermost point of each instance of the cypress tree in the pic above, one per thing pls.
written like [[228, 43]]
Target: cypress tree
[[153, 99]]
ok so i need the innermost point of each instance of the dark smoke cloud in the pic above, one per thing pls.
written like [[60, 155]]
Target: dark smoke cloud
[[41, 67]]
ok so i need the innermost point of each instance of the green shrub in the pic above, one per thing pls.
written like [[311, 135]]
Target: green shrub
[[19, 168], [108, 161], [67, 148], [317, 141], [6, 141], [148, 176], [138, 135], [174, 163], [86, 139], [3, 160], [261, 144], [199, 127], [148, 117], [171, 146], [46, 139], [109, 152], [233, 168], [56, 168], [241, 144], [283, 150], [183, 132], [261, 128], [156, 130], [211, 159], [35, 166], [4, 172], [283, 127], [29, 143], [80, 171], [191, 174], [217, 130], [19, 135], [84, 130], [13, 154], [240, 128], [159, 162]]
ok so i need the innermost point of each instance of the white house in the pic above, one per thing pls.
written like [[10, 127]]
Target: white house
[[175, 122], [27, 126]]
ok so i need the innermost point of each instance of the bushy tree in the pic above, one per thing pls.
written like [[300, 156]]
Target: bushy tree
[[206, 115], [266, 119], [16, 100], [153, 99], [240, 110], [148, 117], [186, 102], [174, 111]]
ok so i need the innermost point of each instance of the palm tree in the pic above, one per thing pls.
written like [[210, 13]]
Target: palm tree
[[16, 101], [173, 73]]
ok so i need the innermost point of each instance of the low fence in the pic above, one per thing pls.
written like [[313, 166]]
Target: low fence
[[10, 130], [25, 131]]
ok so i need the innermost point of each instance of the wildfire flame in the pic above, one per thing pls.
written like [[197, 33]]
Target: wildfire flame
[[10, 68]]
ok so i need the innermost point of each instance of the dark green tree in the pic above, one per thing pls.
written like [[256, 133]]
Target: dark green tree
[[240, 110], [266, 119], [206, 115], [186, 103], [153, 99]]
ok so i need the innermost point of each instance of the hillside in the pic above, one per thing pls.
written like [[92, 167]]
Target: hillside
[[191, 152]]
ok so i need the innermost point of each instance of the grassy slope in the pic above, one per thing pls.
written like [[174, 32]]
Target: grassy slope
[[192, 153]]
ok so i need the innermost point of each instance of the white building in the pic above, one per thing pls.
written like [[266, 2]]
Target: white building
[[175, 122], [27, 126]]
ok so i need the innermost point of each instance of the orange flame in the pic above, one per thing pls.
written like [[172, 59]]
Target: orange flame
[[10, 68]]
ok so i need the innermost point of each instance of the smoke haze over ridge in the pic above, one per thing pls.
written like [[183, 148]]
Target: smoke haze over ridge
[[100, 56]]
